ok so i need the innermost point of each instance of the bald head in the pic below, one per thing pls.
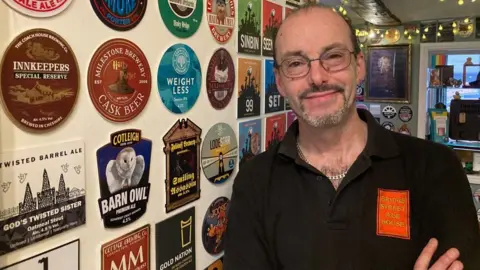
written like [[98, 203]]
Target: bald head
[[317, 18]]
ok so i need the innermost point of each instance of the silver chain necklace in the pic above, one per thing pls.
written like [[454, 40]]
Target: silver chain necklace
[[332, 178]]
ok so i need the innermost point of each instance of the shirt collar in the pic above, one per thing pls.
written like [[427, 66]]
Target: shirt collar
[[380, 141]]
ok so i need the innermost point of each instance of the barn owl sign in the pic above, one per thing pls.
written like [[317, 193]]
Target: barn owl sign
[[123, 172]]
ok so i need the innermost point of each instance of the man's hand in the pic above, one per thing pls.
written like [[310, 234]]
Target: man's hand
[[448, 261]]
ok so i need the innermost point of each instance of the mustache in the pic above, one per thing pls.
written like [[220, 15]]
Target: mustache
[[321, 88]]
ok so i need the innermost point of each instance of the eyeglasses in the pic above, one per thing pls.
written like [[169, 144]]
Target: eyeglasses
[[332, 61]]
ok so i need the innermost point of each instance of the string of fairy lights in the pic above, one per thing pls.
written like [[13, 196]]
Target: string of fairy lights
[[372, 32]]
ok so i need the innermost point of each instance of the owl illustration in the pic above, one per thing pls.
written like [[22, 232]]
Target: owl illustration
[[125, 171]]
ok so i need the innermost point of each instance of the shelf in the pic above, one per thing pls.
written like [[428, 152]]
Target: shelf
[[464, 145], [474, 178]]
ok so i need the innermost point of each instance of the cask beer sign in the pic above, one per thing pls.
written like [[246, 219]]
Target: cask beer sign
[[249, 17], [119, 80], [130, 251]]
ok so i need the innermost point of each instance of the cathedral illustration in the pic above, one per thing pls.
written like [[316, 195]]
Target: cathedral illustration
[[47, 197]]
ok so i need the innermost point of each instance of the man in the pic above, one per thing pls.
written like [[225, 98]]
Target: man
[[340, 191], [221, 12]]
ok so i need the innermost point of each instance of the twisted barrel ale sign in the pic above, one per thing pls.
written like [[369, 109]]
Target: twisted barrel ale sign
[[123, 173], [42, 193]]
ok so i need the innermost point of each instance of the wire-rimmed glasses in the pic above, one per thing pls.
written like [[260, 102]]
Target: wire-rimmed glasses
[[332, 61]]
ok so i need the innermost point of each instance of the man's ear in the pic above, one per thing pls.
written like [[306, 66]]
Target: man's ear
[[361, 67], [278, 81]]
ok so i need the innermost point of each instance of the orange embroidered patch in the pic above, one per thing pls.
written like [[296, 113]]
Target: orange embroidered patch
[[393, 213]]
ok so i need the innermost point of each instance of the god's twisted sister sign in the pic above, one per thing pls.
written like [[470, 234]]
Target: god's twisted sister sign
[[42, 193]]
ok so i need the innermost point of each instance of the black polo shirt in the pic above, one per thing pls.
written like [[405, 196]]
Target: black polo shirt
[[400, 192]]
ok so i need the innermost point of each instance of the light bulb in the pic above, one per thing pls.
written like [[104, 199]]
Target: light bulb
[[470, 27], [466, 20], [378, 31], [381, 35], [344, 12], [424, 37], [417, 31], [409, 37], [426, 29], [405, 32], [386, 32], [454, 24], [340, 9], [361, 45], [454, 31], [440, 27], [460, 2], [439, 34]]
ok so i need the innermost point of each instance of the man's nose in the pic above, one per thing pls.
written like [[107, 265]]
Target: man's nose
[[318, 74]]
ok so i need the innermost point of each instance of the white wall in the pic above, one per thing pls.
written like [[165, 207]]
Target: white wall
[[84, 32]]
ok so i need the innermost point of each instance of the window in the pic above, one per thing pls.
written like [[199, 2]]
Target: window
[[457, 61]]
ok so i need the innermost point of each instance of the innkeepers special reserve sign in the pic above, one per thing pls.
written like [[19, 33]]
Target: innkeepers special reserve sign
[[43, 193]]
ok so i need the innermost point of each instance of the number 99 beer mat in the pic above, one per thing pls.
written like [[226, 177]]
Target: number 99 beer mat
[[39, 80], [219, 153], [123, 173], [274, 129], [214, 225], [119, 80], [179, 78], [249, 87]]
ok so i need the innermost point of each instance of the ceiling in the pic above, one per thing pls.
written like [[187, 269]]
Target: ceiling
[[424, 10], [395, 12]]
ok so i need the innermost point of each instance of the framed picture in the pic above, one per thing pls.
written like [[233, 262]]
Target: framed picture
[[389, 73]]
